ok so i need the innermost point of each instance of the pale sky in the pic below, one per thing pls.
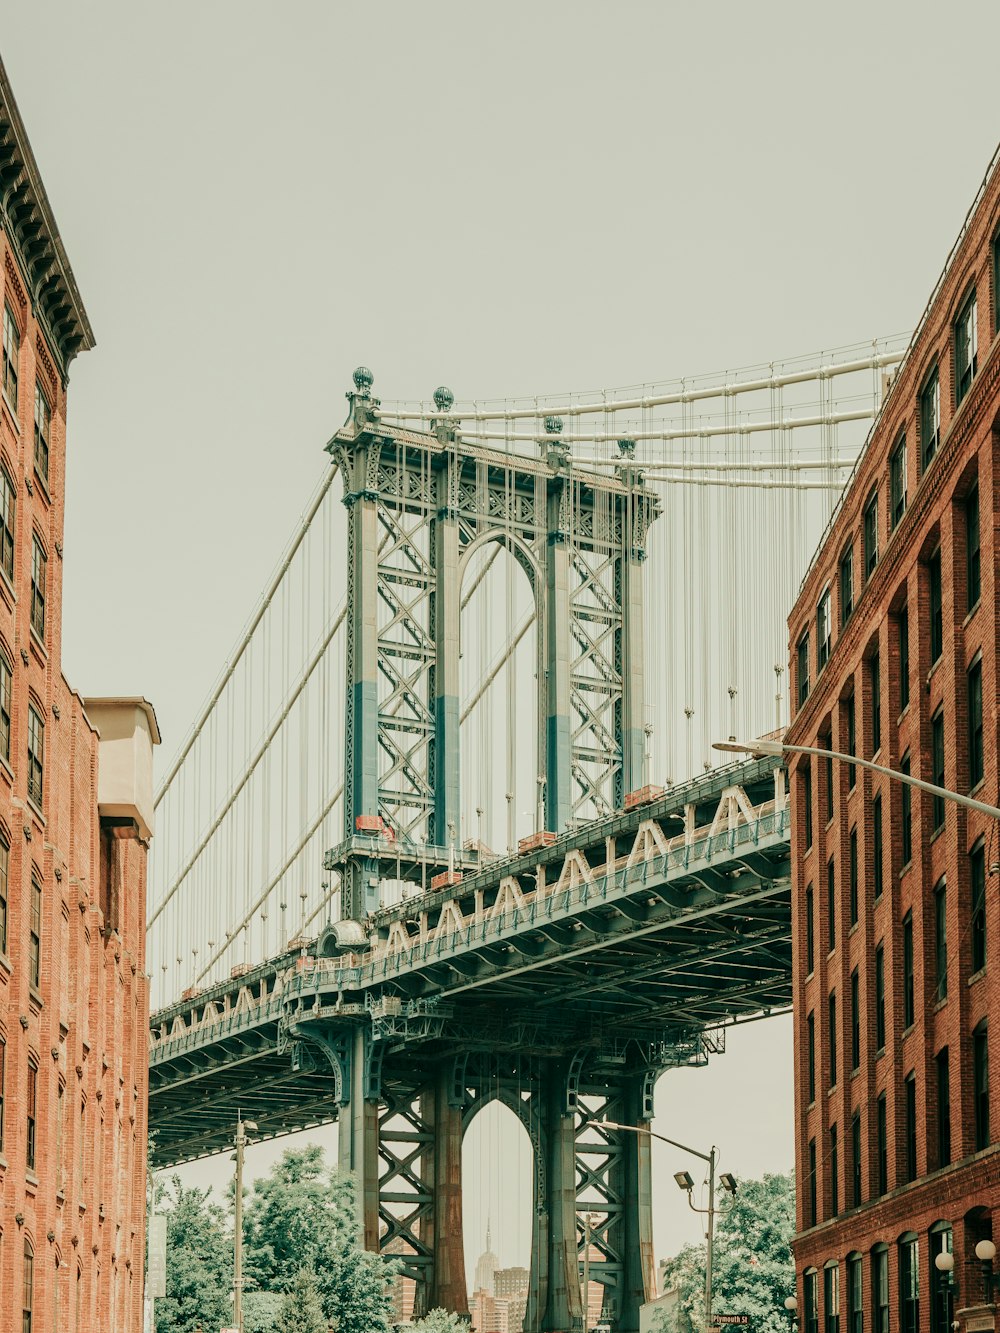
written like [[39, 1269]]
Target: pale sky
[[520, 198]]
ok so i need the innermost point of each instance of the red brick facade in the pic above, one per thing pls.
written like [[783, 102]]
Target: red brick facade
[[913, 636], [73, 993]]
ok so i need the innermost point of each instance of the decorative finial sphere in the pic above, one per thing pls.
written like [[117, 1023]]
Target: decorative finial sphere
[[553, 425], [443, 398], [363, 379]]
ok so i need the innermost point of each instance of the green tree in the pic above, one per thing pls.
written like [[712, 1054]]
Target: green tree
[[262, 1311], [199, 1262], [440, 1321], [304, 1216], [301, 1310], [752, 1272]]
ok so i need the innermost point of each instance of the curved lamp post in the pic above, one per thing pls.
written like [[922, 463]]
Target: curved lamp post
[[685, 1183], [792, 1309], [758, 749]]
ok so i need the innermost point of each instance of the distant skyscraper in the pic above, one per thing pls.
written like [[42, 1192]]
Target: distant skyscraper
[[486, 1267]]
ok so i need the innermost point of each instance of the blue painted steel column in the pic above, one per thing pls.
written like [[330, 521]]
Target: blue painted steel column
[[635, 1186], [447, 611], [563, 1312], [558, 749], [358, 1144]]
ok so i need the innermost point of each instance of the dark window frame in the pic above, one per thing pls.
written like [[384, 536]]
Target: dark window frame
[[811, 1056], [831, 906], [906, 814], [811, 1184], [977, 907], [11, 354], [909, 987], [903, 627], [869, 527], [880, 1288], [852, 866], [910, 1125], [941, 939], [831, 1022], [929, 414], [810, 1300], [855, 1021], [834, 1160], [31, 1115], [43, 421], [802, 667], [846, 584], [974, 695], [966, 334], [36, 756], [897, 483], [807, 801], [935, 588], [882, 1143], [810, 930], [908, 1249], [875, 681], [39, 585], [878, 848], [831, 1297], [942, 1080], [8, 522], [35, 931], [981, 1085], [856, 1168], [824, 629], [880, 996], [973, 551], [28, 1288], [855, 1294], [938, 803]]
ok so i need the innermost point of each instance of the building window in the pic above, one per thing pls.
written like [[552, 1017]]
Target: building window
[[855, 1020], [966, 348], [909, 1284], [827, 743], [39, 567], [6, 680], [852, 854], [937, 765], [855, 1299], [856, 1159], [877, 845], [910, 1089], [937, 618], [810, 1293], [977, 895], [996, 283], [42, 417], [834, 1173], [802, 668], [943, 1080], [904, 659], [897, 482], [35, 935], [831, 1298], [908, 1005], [973, 563], [3, 1081], [846, 585], [7, 510], [906, 812], [975, 688], [32, 1112], [832, 1014], [981, 1084], [941, 940], [882, 1136], [807, 805], [930, 420], [36, 756], [823, 631], [852, 740], [879, 997], [880, 1289], [810, 931], [831, 907], [28, 1285], [941, 1243], [4, 867], [870, 535], [875, 676], [811, 1056], [812, 1183], [11, 355]]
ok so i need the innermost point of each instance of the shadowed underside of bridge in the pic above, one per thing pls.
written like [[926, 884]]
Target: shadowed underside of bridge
[[563, 982]]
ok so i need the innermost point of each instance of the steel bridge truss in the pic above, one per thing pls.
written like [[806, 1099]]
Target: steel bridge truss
[[419, 505]]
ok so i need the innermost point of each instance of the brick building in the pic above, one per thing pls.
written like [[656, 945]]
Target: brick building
[[75, 811], [893, 644]]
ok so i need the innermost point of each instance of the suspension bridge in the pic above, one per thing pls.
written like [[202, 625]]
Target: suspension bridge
[[448, 830]]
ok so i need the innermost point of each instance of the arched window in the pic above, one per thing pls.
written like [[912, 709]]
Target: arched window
[[28, 1293], [880, 1288], [909, 1283], [35, 931], [941, 1281], [31, 1108], [831, 1297], [810, 1293], [855, 1294]]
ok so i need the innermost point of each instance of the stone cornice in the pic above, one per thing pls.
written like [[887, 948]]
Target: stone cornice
[[977, 410], [28, 222]]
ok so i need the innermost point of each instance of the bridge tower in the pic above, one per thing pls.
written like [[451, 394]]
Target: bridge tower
[[419, 504]]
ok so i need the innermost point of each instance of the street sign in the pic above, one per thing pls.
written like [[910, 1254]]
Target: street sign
[[156, 1260], [729, 1320]]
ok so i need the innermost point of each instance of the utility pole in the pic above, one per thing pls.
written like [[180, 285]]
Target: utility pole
[[241, 1141], [710, 1240]]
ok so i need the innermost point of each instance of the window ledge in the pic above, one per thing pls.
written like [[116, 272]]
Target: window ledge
[[979, 784], [971, 612], [30, 1181], [35, 810], [6, 966], [935, 834], [43, 485], [902, 714], [6, 772], [907, 1032], [879, 1053], [12, 411], [35, 999], [905, 868], [977, 976], [940, 1004], [853, 930]]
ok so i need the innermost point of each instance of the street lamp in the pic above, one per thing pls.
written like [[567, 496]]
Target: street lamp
[[241, 1142], [760, 748], [792, 1308], [986, 1252], [686, 1183]]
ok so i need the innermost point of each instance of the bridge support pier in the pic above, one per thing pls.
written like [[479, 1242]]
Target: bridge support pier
[[358, 1143], [443, 1230], [556, 1267]]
